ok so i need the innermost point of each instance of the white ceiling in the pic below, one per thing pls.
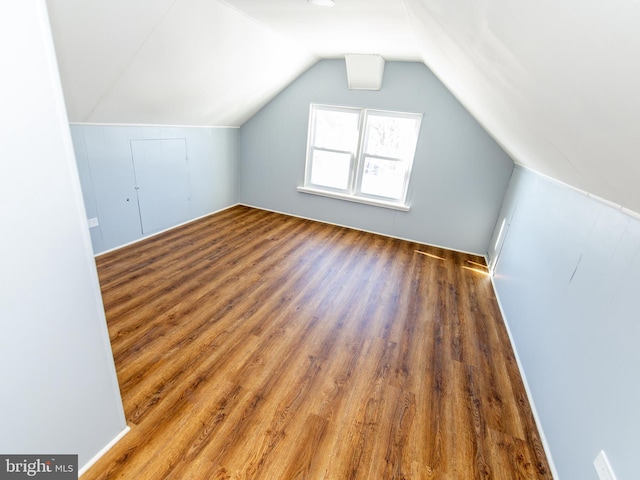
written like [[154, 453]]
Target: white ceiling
[[174, 62], [553, 81], [351, 26]]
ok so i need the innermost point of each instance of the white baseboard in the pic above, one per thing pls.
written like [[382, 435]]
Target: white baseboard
[[145, 237], [106, 448], [362, 230], [536, 418]]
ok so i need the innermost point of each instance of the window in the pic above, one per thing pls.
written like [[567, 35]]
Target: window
[[361, 155]]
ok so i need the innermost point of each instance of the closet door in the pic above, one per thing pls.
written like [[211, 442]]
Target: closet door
[[162, 182]]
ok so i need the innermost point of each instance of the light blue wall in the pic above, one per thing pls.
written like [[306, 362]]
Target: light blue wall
[[106, 171], [568, 279], [459, 175]]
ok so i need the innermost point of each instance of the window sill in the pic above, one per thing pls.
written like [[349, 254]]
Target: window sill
[[350, 198]]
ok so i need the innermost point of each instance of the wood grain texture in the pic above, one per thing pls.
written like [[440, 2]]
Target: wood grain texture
[[253, 345]]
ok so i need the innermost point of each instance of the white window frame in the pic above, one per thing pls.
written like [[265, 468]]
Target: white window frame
[[312, 148], [354, 192]]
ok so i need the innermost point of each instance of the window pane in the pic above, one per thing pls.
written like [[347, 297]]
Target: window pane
[[384, 178], [330, 169], [392, 137], [336, 130]]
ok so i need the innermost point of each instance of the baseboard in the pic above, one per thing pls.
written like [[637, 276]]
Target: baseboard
[[534, 411], [363, 230], [106, 448], [146, 237]]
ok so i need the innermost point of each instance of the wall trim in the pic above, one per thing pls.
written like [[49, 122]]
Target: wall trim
[[154, 125], [534, 411], [604, 201], [483, 255], [104, 450], [165, 230], [356, 199]]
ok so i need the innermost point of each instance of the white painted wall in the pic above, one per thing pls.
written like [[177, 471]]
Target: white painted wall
[[58, 386], [568, 278]]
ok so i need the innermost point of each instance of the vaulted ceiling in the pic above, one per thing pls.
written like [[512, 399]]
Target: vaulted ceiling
[[553, 81]]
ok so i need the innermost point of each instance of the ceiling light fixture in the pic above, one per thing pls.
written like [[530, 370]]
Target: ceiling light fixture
[[322, 3]]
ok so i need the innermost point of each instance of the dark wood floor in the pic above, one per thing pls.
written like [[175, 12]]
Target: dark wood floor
[[254, 345]]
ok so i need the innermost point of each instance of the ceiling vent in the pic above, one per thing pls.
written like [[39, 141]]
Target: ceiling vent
[[322, 3], [364, 72]]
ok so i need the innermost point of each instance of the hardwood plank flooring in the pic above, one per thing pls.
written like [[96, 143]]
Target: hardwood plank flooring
[[254, 345]]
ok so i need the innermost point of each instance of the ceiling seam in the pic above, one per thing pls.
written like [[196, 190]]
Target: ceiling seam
[[109, 89], [267, 27]]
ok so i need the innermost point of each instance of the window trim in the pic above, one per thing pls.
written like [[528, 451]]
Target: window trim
[[353, 192], [311, 148], [404, 207]]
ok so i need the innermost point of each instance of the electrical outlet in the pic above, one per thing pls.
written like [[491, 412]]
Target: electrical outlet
[[92, 222], [603, 467]]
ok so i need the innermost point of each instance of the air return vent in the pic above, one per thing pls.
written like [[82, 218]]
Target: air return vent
[[364, 72]]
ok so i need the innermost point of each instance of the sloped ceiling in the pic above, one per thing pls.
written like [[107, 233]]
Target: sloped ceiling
[[170, 62], [553, 81]]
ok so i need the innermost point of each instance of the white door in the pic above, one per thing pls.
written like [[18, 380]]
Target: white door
[[162, 182]]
